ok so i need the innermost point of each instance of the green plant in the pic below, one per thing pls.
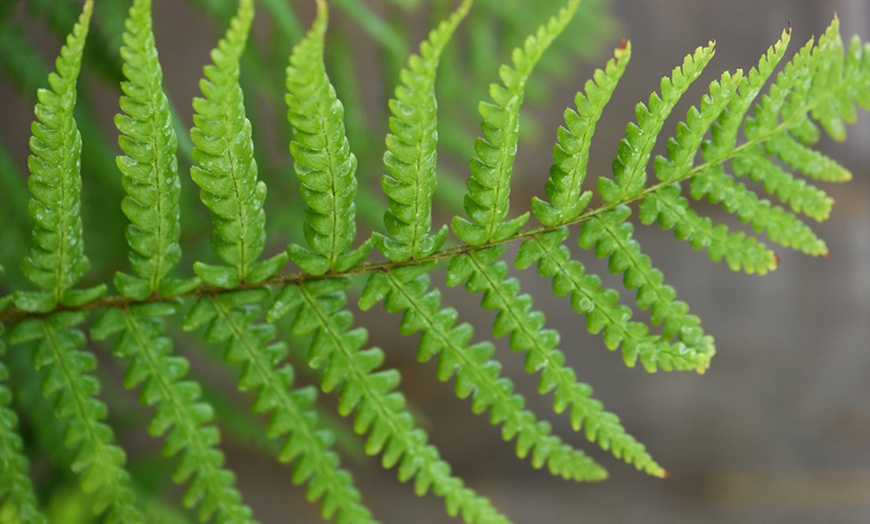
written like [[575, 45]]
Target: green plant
[[245, 300]]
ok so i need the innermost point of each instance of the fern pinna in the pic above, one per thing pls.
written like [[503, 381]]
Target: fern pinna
[[255, 309]]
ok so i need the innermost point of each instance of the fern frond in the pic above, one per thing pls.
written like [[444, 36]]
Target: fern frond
[[318, 308], [670, 211], [323, 160], [226, 171], [13, 187], [98, 461], [484, 272], [819, 84], [411, 154], [57, 260], [230, 317], [810, 162], [830, 76], [18, 504], [149, 167], [564, 187], [383, 33], [407, 290], [488, 197], [180, 410], [629, 167]]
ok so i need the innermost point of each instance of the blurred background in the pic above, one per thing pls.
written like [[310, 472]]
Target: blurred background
[[778, 430]]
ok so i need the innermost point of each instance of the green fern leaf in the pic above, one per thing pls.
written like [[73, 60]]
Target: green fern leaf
[[18, 503], [564, 187], [98, 461], [483, 272], [180, 410], [836, 109], [57, 260], [629, 167], [781, 226], [318, 308], [411, 154], [226, 171], [671, 211], [798, 156], [801, 196], [612, 237], [690, 132], [230, 317], [602, 309], [323, 160], [149, 167], [407, 290], [488, 197]]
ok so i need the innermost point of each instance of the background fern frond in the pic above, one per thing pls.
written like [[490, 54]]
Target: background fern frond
[[411, 154], [323, 160], [13, 187], [488, 197], [18, 504]]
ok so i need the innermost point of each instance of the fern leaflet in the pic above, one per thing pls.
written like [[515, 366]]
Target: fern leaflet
[[57, 260], [17, 500], [407, 290], [230, 318], [149, 167], [411, 154], [323, 160], [488, 195], [227, 173]]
